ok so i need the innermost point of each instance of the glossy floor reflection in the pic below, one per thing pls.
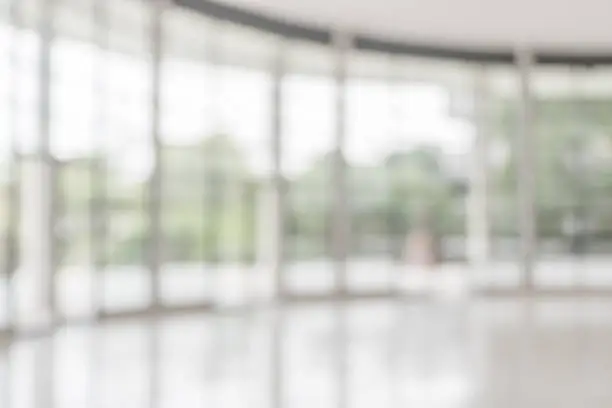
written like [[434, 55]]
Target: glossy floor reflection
[[481, 353]]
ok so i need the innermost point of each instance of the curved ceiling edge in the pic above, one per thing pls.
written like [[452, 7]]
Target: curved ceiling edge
[[370, 43]]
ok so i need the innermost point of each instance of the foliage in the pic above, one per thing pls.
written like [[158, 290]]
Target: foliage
[[211, 200]]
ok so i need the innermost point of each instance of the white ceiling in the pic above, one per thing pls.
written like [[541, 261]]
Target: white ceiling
[[569, 25]]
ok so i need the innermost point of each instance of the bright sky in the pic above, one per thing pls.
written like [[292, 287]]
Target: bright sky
[[197, 100]]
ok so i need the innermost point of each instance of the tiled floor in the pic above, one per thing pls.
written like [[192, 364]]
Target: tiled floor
[[454, 353]]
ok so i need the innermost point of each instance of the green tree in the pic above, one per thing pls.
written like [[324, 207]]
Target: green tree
[[211, 201]]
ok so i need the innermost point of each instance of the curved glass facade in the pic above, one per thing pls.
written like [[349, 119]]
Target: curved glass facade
[[156, 157]]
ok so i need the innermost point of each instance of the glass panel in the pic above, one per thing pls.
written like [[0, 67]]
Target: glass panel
[[370, 138], [129, 153], [573, 164], [501, 127], [237, 156], [75, 269], [557, 128], [126, 283], [73, 121], [186, 125], [26, 49], [216, 154], [427, 162], [307, 160], [594, 166]]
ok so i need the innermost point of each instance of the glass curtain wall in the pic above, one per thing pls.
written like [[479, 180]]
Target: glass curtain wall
[[129, 168]]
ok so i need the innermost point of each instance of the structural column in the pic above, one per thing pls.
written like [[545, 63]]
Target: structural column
[[213, 186], [340, 215], [38, 243], [99, 202], [525, 147], [271, 203], [277, 214], [278, 207], [340, 210], [13, 205], [155, 247], [478, 230]]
